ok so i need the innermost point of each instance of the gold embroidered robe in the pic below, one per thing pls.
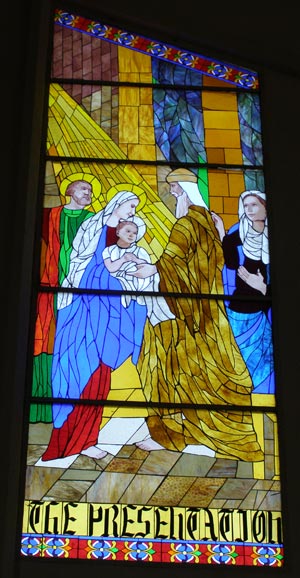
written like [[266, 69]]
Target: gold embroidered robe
[[194, 358]]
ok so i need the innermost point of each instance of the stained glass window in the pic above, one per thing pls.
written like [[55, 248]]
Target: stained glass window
[[152, 419]]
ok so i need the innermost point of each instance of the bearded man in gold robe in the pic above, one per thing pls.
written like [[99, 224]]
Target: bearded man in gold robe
[[193, 360]]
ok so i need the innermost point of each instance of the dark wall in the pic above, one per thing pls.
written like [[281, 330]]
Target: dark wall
[[232, 31]]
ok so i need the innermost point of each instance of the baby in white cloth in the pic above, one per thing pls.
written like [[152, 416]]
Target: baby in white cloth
[[122, 258]]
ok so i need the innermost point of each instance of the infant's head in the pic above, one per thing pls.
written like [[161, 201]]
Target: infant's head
[[126, 232]]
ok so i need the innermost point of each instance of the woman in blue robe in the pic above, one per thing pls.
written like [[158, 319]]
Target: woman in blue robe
[[246, 274], [95, 334]]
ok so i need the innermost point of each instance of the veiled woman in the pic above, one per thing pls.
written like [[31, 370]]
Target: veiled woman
[[246, 273], [95, 334]]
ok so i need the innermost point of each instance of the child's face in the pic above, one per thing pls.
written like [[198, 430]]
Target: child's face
[[128, 233]]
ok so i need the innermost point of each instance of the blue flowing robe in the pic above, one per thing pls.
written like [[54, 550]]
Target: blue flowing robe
[[251, 322], [93, 329]]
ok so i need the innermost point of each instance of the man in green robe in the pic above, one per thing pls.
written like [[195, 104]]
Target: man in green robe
[[62, 224]]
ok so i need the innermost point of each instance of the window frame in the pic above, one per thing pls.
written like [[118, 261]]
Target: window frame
[[32, 128]]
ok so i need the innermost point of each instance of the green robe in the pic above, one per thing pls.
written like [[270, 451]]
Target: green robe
[[61, 229]]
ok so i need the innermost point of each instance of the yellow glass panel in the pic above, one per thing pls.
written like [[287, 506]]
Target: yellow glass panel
[[129, 125], [222, 138], [133, 61], [233, 156], [129, 96], [220, 119], [219, 101]]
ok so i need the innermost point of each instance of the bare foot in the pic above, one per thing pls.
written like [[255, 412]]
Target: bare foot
[[94, 452], [148, 445]]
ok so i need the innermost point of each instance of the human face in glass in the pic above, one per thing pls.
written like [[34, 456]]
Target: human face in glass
[[128, 233], [82, 194], [255, 210], [176, 190], [126, 209]]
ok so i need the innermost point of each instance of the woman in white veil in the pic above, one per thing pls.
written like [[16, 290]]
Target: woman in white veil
[[246, 273], [87, 239], [95, 334]]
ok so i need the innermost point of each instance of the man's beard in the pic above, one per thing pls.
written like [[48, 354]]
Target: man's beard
[[182, 206]]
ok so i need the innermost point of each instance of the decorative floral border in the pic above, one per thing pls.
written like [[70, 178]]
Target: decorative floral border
[[240, 77], [83, 547]]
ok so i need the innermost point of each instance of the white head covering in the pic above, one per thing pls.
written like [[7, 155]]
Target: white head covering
[[255, 244], [87, 238], [193, 193], [114, 203], [189, 183]]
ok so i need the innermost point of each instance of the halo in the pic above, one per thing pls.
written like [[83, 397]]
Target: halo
[[92, 179], [138, 191]]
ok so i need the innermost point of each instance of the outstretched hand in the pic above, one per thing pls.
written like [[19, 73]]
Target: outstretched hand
[[254, 280], [218, 221], [143, 271]]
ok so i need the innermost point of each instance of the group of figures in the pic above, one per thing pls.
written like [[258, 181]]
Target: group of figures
[[201, 353]]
